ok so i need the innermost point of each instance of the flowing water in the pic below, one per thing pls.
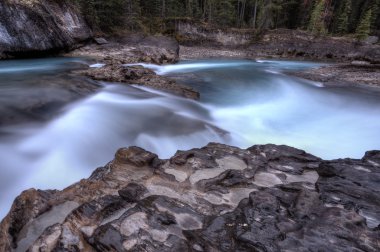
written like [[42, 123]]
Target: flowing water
[[242, 103]]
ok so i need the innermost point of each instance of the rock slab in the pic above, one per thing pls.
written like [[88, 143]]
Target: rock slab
[[217, 198], [31, 28]]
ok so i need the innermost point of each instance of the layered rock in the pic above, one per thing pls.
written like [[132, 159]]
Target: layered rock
[[34, 27], [116, 54], [217, 198]]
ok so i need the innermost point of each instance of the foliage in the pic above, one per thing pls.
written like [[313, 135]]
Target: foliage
[[364, 27], [343, 19], [319, 16], [317, 19]]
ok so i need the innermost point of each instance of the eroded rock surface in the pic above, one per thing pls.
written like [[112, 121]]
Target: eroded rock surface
[[116, 56], [31, 28], [217, 198]]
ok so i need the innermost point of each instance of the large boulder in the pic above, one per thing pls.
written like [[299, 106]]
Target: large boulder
[[217, 198], [34, 27]]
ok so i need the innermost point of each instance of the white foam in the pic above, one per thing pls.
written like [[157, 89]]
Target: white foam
[[97, 65]]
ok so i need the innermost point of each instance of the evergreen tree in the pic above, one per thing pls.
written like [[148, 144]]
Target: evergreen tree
[[317, 22], [364, 27], [375, 13], [343, 19], [224, 12]]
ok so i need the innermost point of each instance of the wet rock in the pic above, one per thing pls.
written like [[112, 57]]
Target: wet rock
[[134, 156], [217, 198], [352, 185], [43, 27]]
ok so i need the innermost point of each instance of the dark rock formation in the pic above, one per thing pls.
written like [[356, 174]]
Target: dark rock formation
[[218, 198], [138, 75], [35, 27], [135, 48], [44, 98]]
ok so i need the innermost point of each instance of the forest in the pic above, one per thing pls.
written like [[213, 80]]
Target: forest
[[340, 17]]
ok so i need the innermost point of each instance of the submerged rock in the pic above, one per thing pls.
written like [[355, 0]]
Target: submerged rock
[[32, 28], [217, 198]]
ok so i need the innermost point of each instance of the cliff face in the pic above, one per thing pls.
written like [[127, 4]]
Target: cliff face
[[217, 198], [29, 27]]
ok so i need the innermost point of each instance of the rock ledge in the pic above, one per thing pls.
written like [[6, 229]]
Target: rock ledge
[[217, 198]]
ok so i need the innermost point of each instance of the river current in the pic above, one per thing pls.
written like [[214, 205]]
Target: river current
[[242, 103]]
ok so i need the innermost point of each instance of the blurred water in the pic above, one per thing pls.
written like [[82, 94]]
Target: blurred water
[[242, 103]]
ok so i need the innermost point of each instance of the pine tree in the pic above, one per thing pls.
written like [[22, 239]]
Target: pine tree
[[364, 27], [375, 13], [343, 19], [317, 23]]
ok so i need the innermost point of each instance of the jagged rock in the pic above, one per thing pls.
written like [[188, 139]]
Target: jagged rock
[[30, 28], [134, 156], [131, 49], [217, 198], [137, 75]]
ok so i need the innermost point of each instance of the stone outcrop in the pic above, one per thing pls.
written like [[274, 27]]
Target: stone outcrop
[[131, 48], [36, 27], [295, 43], [135, 48], [217, 198]]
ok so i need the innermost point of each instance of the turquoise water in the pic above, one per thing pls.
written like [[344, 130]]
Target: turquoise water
[[242, 103]]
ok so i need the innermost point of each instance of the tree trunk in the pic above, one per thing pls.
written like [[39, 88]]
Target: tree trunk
[[254, 15], [163, 10], [242, 12]]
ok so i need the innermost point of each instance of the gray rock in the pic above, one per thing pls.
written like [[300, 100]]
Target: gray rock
[[217, 198], [101, 41], [360, 63], [371, 40], [32, 28]]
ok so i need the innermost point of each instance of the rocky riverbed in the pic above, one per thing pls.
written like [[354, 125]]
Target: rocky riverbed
[[217, 198]]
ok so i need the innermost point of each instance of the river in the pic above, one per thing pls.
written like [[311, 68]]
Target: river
[[242, 103]]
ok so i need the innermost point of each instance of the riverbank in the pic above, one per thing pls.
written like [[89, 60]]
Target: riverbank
[[333, 74], [355, 74], [215, 198]]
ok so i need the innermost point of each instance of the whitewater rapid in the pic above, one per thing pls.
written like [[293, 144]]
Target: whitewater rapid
[[242, 103]]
